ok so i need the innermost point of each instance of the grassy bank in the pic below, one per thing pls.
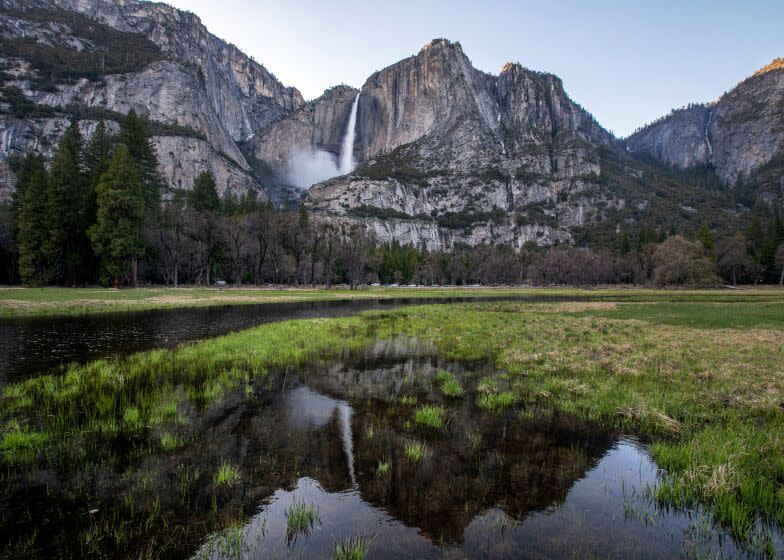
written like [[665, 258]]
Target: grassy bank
[[49, 302], [704, 380]]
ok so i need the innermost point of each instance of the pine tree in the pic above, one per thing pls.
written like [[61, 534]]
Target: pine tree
[[98, 153], [117, 233], [754, 234], [33, 236], [29, 166], [65, 197], [625, 244], [97, 156], [204, 195], [135, 134], [705, 236]]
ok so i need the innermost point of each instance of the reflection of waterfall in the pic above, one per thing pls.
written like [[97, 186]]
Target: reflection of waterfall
[[347, 162], [344, 417]]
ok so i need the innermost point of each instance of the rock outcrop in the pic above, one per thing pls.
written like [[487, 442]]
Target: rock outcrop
[[738, 135]]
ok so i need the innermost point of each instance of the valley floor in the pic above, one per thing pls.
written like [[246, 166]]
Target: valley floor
[[25, 302], [701, 379]]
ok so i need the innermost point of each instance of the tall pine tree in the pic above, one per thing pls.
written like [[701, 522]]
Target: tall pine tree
[[65, 198], [117, 233], [97, 156], [135, 134], [33, 235]]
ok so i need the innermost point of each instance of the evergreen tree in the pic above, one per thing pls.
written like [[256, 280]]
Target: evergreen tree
[[97, 156], [74, 142], [204, 195], [754, 234], [625, 245], [705, 236], [28, 167], [767, 252], [135, 134], [33, 236], [117, 233], [65, 197], [98, 153]]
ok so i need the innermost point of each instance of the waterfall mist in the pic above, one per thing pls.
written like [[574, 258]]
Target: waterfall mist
[[309, 165]]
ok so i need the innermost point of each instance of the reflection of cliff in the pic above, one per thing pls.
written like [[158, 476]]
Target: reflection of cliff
[[517, 466]]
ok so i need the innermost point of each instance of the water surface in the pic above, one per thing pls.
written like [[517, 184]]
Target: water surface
[[33, 345], [522, 482]]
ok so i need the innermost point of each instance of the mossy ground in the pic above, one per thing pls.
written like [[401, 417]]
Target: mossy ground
[[703, 380]]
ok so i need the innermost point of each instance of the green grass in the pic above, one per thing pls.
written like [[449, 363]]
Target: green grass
[[55, 301], [300, 517], [450, 385], [430, 416], [383, 467], [416, 451], [355, 548], [497, 402], [226, 475]]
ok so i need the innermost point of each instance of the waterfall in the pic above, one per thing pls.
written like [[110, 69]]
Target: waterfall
[[344, 417], [347, 162], [707, 135]]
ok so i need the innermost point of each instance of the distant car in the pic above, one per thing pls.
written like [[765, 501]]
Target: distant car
[[412, 285], [375, 284], [434, 285], [395, 285], [220, 283]]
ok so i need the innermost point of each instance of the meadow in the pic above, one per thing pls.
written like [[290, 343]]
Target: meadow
[[699, 376], [55, 301]]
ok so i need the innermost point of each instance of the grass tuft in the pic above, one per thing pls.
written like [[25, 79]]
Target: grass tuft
[[450, 385], [226, 475], [383, 467], [300, 517], [430, 416], [355, 548]]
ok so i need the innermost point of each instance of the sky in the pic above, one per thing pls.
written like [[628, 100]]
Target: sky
[[626, 61]]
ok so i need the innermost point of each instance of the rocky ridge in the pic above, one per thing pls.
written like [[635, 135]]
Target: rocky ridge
[[738, 135], [199, 83]]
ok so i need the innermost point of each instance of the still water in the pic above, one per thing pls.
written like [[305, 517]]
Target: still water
[[32, 345]]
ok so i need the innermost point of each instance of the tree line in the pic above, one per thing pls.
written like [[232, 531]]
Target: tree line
[[101, 213]]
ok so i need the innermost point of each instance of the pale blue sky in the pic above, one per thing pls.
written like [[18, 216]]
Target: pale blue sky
[[628, 62]]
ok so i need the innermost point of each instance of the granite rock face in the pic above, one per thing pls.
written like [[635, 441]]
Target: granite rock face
[[215, 95], [447, 154], [738, 135], [454, 155]]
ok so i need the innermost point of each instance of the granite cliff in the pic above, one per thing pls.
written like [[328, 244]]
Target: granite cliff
[[447, 154]]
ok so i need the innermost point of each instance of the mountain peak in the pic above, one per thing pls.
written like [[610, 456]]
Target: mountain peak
[[775, 64], [439, 42], [509, 66]]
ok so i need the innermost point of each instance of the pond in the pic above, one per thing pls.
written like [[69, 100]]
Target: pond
[[33, 345], [337, 453]]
